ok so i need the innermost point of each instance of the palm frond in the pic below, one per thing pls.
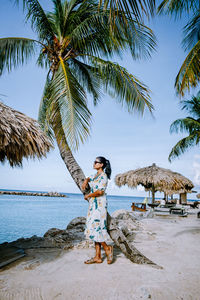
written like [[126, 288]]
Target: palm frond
[[121, 85], [189, 74], [187, 124], [85, 76], [192, 32], [178, 7], [131, 8], [183, 145], [95, 35], [68, 8], [38, 18], [43, 61], [44, 115], [15, 52], [192, 106], [69, 100]]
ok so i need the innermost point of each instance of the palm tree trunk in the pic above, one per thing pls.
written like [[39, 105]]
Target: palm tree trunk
[[115, 233]]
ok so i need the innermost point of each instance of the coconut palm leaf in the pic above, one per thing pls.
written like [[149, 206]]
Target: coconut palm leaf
[[69, 99], [38, 18], [178, 7], [86, 77], [44, 116], [135, 8], [43, 61], [189, 74], [123, 86], [192, 106], [15, 52], [187, 124], [183, 145], [192, 32], [94, 36]]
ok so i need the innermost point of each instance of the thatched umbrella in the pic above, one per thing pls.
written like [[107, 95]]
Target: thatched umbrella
[[155, 179], [20, 136]]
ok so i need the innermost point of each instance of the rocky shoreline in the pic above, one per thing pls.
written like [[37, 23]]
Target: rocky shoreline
[[49, 194], [70, 238]]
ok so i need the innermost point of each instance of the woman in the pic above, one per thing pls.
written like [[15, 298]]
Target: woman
[[96, 229]]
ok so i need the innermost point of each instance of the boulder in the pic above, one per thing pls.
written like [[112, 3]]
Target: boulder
[[77, 223], [53, 232], [125, 215]]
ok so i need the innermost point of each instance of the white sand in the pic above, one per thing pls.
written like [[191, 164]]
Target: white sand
[[173, 243]]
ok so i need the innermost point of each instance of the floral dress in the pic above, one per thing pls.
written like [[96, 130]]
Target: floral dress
[[96, 227]]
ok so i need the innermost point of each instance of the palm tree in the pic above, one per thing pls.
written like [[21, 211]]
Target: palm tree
[[190, 124], [75, 42], [189, 73], [72, 41]]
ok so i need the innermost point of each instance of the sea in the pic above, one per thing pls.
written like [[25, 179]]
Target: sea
[[25, 216]]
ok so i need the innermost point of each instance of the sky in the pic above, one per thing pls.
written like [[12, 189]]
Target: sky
[[129, 141]]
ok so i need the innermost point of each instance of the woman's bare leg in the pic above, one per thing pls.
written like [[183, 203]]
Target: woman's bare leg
[[109, 252], [105, 246], [98, 251], [97, 258]]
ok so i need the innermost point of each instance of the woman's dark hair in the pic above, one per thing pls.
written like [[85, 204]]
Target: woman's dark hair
[[106, 165]]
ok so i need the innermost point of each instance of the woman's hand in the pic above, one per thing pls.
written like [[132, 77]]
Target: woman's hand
[[85, 184], [86, 197]]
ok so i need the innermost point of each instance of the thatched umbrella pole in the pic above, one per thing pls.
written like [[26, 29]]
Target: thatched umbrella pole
[[153, 193]]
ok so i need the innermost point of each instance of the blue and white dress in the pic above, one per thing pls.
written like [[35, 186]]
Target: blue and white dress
[[96, 226]]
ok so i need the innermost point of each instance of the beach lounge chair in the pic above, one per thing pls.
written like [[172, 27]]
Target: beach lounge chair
[[138, 206]]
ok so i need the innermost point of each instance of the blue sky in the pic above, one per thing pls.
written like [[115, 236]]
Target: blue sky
[[129, 141]]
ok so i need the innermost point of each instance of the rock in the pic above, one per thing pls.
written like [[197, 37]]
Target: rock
[[78, 223], [123, 214], [118, 214], [50, 194], [9, 254], [53, 232]]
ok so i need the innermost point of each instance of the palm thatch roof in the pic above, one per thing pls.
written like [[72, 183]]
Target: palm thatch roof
[[20, 136], [155, 179]]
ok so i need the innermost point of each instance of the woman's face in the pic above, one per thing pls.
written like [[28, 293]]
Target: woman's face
[[97, 164]]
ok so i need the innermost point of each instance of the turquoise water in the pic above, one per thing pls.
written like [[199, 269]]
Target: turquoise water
[[25, 216]]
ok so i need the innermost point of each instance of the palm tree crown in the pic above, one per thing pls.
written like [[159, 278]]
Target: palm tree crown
[[73, 41], [190, 124]]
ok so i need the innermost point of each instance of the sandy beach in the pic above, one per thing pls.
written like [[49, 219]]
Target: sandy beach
[[172, 242]]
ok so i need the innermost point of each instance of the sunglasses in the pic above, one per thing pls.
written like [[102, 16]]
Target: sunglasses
[[97, 162]]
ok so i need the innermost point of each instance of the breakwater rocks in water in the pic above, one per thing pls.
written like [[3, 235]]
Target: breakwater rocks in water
[[50, 194]]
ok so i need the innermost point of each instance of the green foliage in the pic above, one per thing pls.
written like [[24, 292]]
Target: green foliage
[[74, 39], [131, 8], [189, 125], [15, 52], [122, 86], [189, 73], [178, 7]]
